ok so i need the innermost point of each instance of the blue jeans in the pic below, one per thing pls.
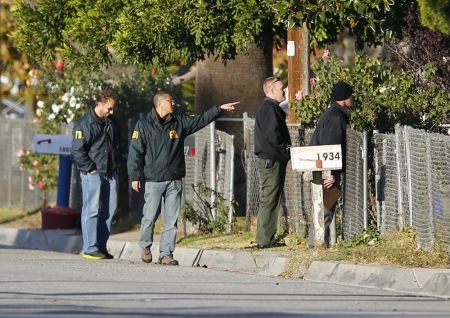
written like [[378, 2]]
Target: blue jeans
[[154, 192], [99, 207]]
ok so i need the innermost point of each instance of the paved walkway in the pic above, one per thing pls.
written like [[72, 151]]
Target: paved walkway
[[419, 281]]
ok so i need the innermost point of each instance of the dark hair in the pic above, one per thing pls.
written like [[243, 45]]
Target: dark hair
[[104, 95]]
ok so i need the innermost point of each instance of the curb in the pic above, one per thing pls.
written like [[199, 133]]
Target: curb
[[420, 281], [428, 282]]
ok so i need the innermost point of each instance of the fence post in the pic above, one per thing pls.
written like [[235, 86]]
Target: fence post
[[365, 172], [408, 166], [318, 209], [230, 212], [64, 177], [399, 177], [430, 190], [377, 179], [212, 166]]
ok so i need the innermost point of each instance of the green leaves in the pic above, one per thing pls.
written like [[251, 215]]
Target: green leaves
[[383, 96], [368, 20], [101, 33]]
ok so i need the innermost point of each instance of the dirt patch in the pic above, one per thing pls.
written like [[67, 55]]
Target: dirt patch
[[31, 221]]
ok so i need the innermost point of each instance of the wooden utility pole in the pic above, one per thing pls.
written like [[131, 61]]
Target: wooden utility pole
[[298, 65]]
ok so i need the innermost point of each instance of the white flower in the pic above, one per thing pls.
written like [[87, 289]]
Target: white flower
[[383, 89], [65, 97], [51, 116], [73, 101], [56, 108], [77, 106], [40, 104], [70, 118], [393, 88]]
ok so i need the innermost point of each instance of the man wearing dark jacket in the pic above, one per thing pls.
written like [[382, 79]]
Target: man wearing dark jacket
[[272, 142], [96, 153], [157, 143], [332, 130]]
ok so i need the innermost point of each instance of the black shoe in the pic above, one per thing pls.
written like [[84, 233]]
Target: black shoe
[[262, 246], [107, 255], [94, 255]]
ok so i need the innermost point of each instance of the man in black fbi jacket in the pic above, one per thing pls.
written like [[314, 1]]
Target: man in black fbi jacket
[[272, 143], [96, 153], [157, 143]]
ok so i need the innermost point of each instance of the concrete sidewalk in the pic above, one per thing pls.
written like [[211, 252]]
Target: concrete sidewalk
[[419, 281]]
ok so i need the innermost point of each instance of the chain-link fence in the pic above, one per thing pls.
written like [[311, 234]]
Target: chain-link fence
[[353, 221], [412, 174], [17, 134], [411, 169]]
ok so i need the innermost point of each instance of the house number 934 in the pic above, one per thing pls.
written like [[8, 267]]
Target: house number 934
[[329, 156]]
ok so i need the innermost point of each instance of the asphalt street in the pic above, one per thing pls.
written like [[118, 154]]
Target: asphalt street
[[37, 283]]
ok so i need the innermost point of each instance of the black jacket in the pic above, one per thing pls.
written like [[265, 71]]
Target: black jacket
[[332, 130], [272, 137], [159, 145], [96, 143]]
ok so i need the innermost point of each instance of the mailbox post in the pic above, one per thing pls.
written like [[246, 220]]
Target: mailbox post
[[57, 145], [316, 162]]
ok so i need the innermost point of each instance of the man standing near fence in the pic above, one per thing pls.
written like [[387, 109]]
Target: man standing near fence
[[96, 153], [157, 143], [272, 143], [332, 130]]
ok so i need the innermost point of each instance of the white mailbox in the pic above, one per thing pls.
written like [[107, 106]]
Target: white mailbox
[[316, 158], [52, 144]]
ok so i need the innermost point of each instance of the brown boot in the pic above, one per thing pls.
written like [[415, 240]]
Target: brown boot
[[146, 255], [167, 260]]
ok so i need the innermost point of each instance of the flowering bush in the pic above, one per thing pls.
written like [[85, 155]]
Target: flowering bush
[[383, 95], [41, 169], [65, 95]]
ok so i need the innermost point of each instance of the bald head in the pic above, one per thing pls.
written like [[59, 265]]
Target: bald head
[[274, 88]]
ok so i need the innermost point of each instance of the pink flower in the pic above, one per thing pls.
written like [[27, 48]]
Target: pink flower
[[312, 80], [19, 153], [30, 186], [325, 54], [299, 95], [35, 163], [60, 65], [40, 184]]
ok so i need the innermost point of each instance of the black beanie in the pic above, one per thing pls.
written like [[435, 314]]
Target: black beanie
[[341, 91]]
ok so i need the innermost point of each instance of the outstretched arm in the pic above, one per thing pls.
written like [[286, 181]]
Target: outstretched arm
[[229, 107]]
